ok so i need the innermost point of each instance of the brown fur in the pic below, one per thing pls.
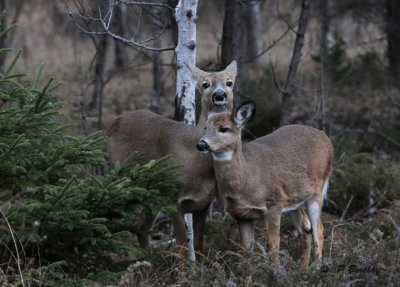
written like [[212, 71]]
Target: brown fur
[[282, 169], [151, 136]]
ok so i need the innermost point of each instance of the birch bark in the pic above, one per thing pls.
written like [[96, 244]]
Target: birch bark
[[186, 16]]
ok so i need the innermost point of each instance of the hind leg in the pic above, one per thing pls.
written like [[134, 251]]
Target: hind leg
[[302, 225], [314, 206]]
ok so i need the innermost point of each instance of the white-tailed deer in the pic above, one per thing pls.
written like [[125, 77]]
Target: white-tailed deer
[[285, 171], [151, 136]]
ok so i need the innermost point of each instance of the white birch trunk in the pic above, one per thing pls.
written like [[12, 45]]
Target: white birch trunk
[[186, 16]]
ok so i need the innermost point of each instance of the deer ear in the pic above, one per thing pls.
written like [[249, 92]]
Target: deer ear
[[245, 113], [232, 69], [197, 74]]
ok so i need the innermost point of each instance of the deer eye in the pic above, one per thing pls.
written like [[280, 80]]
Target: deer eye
[[229, 83], [223, 130], [206, 85]]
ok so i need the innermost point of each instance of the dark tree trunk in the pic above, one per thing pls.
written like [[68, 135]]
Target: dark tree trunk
[[99, 69], [393, 40], [157, 67], [319, 119], [232, 41], [119, 23], [252, 18], [325, 26], [287, 101]]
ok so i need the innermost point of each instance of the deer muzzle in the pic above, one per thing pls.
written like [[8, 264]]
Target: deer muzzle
[[203, 146], [219, 97]]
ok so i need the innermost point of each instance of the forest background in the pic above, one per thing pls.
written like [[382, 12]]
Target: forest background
[[347, 84]]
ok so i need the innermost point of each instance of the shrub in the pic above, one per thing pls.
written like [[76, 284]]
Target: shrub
[[53, 212], [358, 176]]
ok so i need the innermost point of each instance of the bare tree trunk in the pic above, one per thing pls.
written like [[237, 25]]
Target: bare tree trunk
[[287, 101], [186, 16], [319, 119], [119, 22], [232, 41], [252, 17], [393, 40], [157, 68], [186, 54], [157, 81], [326, 26], [97, 99]]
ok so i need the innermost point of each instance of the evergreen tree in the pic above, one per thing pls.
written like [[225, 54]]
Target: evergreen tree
[[52, 210]]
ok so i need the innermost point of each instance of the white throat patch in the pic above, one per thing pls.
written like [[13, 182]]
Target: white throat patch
[[223, 155]]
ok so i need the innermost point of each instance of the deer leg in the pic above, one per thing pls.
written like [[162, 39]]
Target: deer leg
[[180, 233], [273, 225], [246, 232], [199, 220], [314, 213], [320, 238], [302, 225], [144, 225]]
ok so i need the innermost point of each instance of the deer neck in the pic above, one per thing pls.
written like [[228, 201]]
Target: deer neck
[[230, 164], [206, 113]]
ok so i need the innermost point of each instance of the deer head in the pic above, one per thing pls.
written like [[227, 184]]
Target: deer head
[[223, 132], [216, 89]]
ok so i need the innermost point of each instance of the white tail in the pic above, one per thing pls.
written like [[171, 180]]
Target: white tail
[[285, 171], [151, 136]]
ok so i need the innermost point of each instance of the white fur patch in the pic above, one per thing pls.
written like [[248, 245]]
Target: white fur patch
[[325, 189], [223, 155], [313, 209], [219, 103], [292, 207]]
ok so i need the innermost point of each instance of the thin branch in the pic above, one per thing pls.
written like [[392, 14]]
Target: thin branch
[[274, 76], [107, 31], [156, 36], [133, 43], [145, 3], [265, 50], [291, 27]]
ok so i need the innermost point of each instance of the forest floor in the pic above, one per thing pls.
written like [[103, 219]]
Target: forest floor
[[358, 252]]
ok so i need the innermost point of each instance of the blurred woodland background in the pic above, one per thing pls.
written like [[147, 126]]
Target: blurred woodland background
[[347, 83]]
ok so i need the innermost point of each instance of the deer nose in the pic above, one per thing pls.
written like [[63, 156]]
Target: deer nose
[[219, 96], [202, 146]]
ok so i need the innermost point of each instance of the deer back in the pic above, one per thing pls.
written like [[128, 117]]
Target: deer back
[[290, 164], [146, 136]]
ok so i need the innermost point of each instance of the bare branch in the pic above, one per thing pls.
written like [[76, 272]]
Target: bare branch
[[145, 3], [131, 42], [266, 49], [274, 76], [156, 36], [290, 26], [106, 22]]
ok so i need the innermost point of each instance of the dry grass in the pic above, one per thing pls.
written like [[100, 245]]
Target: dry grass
[[356, 253]]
